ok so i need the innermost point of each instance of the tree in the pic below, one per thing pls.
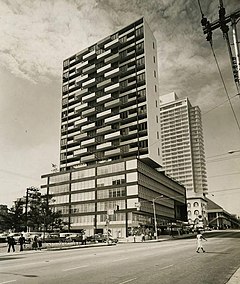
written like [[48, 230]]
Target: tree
[[32, 212], [41, 217], [14, 219]]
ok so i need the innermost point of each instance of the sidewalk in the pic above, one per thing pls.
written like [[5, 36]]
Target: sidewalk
[[65, 246], [235, 278]]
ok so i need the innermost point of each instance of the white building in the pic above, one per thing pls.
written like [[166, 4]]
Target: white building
[[182, 149]]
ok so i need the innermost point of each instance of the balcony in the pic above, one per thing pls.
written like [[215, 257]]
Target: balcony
[[81, 121], [112, 118], [81, 93], [81, 107], [88, 142], [111, 58], [112, 135], [104, 129], [104, 113], [88, 97], [88, 126], [104, 83], [112, 44], [103, 98], [112, 88], [104, 54], [81, 78], [104, 68], [112, 103], [112, 73], [88, 112], [89, 83], [89, 69], [80, 136], [89, 55], [113, 152], [88, 158], [80, 151], [104, 145], [80, 65]]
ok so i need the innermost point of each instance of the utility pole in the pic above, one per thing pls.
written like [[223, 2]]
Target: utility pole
[[222, 23], [29, 189]]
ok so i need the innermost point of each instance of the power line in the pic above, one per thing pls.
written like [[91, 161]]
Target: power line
[[224, 85], [223, 159], [225, 189], [230, 174], [217, 106]]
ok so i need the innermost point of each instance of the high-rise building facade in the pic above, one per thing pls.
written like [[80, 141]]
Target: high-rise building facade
[[110, 105], [182, 149], [110, 140]]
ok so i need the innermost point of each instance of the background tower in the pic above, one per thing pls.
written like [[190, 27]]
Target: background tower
[[183, 151]]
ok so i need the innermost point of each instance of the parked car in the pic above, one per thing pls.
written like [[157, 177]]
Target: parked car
[[74, 238], [52, 238], [101, 238], [16, 236], [3, 237]]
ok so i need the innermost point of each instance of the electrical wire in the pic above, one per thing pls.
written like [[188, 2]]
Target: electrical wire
[[217, 106], [222, 159], [224, 175], [224, 85], [219, 70]]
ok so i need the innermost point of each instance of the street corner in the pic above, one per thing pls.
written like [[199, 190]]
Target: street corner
[[235, 278]]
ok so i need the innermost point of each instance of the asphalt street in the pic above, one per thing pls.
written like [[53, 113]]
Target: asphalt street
[[167, 262]]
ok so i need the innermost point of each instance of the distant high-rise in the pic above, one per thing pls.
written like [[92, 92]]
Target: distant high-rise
[[183, 150]]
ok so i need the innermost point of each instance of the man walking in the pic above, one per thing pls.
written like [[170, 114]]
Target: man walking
[[11, 243], [200, 239], [21, 242]]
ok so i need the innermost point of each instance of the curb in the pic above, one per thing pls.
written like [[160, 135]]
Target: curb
[[235, 278]]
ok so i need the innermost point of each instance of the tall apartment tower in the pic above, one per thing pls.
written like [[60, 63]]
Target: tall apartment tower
[[110, 105], [110, 141], [183, 150]]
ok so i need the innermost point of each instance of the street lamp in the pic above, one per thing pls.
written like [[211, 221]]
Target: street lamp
[[233, 151], [154, 214], [29, 189]]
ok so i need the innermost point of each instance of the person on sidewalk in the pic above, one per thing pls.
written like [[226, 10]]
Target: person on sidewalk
[[200, 239], [21, 242], [39, 240], [35, 243], [11, 243]]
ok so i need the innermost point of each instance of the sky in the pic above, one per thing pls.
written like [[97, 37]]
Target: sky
[[37, 35]]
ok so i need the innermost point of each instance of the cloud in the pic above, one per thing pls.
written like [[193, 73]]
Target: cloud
[[39, 35]]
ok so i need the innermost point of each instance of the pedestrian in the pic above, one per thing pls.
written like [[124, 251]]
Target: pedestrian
[[39, 241], [35, 243], [84, 239], [200, 239], [143, 237], [11, 243], [21, 242], [134, 238]]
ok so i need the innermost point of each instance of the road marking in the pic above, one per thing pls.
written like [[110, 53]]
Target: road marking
[[74, 268], [119, 259], [128, 281], [165, 267], [10, 281]]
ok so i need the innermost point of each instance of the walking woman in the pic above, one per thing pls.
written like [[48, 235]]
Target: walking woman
[[200, 239]]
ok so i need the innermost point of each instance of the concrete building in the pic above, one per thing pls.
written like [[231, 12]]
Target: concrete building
[[218, 218], [110, 101], [117, 195], [182, 149], [110, 139]]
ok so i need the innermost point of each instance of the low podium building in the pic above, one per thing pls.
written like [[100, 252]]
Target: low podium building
[[120, 196]]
